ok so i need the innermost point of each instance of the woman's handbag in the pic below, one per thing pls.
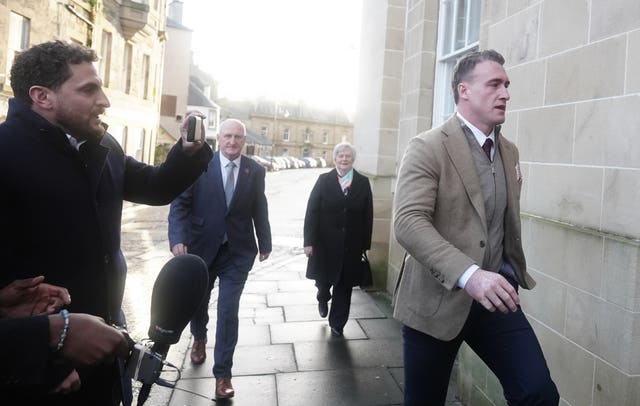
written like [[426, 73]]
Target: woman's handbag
[[366, 278]]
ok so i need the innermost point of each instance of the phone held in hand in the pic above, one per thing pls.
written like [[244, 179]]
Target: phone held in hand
[[194, 128]]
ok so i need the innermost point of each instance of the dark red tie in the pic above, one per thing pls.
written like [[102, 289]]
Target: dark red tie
[[487, 147]]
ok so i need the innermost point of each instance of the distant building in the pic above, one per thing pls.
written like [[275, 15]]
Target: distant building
[[293, 129], [185, 86], [129, 39]]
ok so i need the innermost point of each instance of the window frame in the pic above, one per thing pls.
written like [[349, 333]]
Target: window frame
[[443, 100]]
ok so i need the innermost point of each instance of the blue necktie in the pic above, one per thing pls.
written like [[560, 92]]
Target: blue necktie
[[228, 187]]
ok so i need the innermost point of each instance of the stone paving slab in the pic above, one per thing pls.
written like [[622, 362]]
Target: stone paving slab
[[355, 387], [305, 285], [303, 331], [280, 275], [258, 390], [248, 334], [248, 360], [381, 328], [310, 312], [345, 354], [260, 286]]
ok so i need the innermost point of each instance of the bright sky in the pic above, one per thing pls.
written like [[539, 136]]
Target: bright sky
[[287, 50]]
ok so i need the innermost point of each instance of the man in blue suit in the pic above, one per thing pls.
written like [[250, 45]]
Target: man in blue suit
[[215, 219]]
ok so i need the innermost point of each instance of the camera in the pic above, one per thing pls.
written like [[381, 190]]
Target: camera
[[144, 365]]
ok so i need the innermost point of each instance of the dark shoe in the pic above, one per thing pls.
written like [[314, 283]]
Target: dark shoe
[[198, 351], [323, 309], [336, 332], [224, 389]]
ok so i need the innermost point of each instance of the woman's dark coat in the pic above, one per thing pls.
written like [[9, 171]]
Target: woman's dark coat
[[338, 228]]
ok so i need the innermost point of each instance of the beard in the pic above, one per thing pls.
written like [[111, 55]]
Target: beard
[[81, 128]]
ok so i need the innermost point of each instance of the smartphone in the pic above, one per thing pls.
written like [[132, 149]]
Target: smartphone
[[194, 128]]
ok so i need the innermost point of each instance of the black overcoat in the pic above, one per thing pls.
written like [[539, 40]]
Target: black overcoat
[[338, 227], [60, 212]]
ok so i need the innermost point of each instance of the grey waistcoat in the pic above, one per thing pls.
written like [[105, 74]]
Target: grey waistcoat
[[494, 192]]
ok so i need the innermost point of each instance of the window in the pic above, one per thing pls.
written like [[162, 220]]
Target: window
[[140, 148], [325, 137], [458, 34], [285, 135], [307, 135], [264, 131], [19, 28], [105, 58], [124, 138], [212, 119], [168, 105], [126, 67], [146, 76]]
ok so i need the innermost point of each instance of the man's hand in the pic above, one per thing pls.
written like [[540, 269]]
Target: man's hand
[[70, 384], [30, 297], [89, 339], [492, 291], [308, 251], [178, 249], [263, 256], [189, 147]]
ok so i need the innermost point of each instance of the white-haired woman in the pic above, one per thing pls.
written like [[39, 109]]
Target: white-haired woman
[[337, 230]]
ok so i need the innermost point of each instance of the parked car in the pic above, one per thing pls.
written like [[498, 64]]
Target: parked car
[[309, 162], [293, 163], [321, 162], [265, 163]]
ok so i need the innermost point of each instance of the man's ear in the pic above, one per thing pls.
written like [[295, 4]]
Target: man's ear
[[462, 90], [41, 97]]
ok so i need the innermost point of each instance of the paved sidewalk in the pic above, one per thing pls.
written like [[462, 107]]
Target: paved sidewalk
[[286, 355]]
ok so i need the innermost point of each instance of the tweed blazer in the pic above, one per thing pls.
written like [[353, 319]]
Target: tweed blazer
[[440, 221]]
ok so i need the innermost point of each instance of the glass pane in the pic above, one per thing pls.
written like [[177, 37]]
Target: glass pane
[[461, 24], [447, 44], [474, 21], [449, 104]]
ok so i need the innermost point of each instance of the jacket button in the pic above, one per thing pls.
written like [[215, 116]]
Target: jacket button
[[106, 258], [482, 244]]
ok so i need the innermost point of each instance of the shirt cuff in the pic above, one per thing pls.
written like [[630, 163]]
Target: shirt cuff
[[462, 281]]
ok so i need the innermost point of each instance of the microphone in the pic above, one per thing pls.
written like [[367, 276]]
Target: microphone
[[177, 293]]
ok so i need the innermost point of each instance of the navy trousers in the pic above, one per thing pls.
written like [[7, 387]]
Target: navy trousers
[[505, 342], [230, 285]]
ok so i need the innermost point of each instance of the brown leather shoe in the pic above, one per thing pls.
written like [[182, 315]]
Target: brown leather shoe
[[224, 389], [198, 351]]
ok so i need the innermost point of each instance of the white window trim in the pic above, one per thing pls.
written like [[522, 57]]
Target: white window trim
[[442, 84]]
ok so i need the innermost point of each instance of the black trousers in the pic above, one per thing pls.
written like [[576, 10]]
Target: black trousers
[[340, 301]]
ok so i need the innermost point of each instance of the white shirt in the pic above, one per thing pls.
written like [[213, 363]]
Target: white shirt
[[480, 136], [224, 161]]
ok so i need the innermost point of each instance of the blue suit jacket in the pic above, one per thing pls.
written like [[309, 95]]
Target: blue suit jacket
[[199, 217]]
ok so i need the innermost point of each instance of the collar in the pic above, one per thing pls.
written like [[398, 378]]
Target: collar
[[224, 161], [479, 135]]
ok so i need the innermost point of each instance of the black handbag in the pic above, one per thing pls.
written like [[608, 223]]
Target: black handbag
[[366, 278]]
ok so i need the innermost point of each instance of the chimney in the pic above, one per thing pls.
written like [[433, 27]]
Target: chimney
[[175, 11]]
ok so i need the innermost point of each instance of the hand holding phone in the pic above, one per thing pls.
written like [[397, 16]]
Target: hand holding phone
[[194, 128]]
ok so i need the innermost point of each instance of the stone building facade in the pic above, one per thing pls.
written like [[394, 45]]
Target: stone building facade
[[575, 94], [128, 36], [300, 131]]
